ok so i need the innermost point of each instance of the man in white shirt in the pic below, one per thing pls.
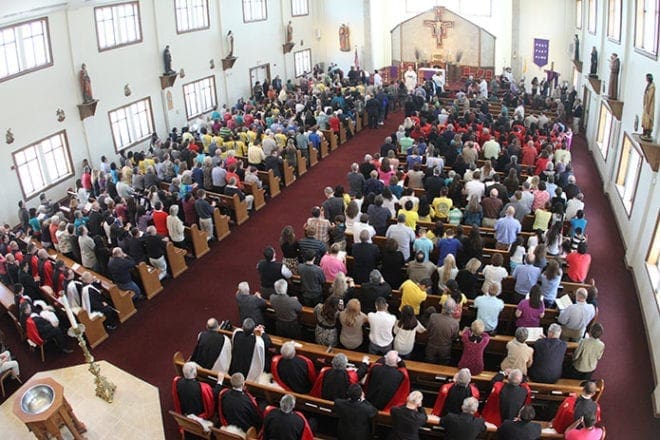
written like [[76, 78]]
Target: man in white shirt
[[439, 82], [381, 324], [378, 80], [483, 88], [403, 235], [574, 205], [361, 225], [491, 148], [475, 187]]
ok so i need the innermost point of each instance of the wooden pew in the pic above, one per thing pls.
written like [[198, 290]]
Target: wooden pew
[[268, 178], [313, 156], [331, 137], [221, 226], [320, 407], [325, 147], [150, 280], [198, 239], [122, 299], [342, 134], [94, 328], [234, 204], [302, 163], [365, 118], [258, 194], [288, 173], [176, 259], [358, 123]]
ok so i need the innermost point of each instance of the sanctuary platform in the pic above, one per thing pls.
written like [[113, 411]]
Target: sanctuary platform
[[135, 412]]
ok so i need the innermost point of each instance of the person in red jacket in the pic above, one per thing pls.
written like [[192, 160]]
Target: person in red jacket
[[159, 217], [284, 422], [506, 399], [293, 372], [574, 407], [333, 382], [191, 396], [452, 394]]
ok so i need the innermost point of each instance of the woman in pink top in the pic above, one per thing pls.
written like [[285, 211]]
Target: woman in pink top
[[475, 341], [530, 311], [385, 171], [332, 264]]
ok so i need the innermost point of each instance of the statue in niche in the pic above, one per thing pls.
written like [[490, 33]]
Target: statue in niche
[[230, 44], [9, 136], [86, 85], [648, 113], [576, 48], [289, 33], [344, 38], [593, 71], [167, 61], [615, 67]]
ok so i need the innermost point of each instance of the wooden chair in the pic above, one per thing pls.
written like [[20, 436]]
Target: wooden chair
[[4, 376], [123, 301], [19, 328], [191, 426], [198, 239], [150, 280], [176, 259], [32, 344], [94, 329], [221, 226], [288, 172]]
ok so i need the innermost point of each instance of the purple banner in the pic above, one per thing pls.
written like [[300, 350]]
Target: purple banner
[[541, 51]]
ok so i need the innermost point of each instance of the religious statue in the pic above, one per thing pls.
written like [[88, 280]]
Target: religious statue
[[86, 85], [576, 48], [344, 38], [230, 44], [167, 61], [410, 78], [648, 113], [615, 66], [289, 33], [593, 71]]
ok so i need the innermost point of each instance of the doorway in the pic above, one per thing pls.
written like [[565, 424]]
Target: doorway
[[259, 73]]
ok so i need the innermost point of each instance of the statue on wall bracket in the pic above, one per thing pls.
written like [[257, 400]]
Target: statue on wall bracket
[[230, 59], [288, 45]]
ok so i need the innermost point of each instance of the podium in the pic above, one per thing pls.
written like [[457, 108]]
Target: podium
[[46, 423]]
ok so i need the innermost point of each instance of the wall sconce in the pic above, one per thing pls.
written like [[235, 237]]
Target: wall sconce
[[211, 64]]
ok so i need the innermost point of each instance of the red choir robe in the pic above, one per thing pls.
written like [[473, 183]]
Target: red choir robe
[[444, 392], [318, 385], [565, 414], [223, 420], [207, 399], [307, 431], [402, 392], [311, 372], [491, 411]]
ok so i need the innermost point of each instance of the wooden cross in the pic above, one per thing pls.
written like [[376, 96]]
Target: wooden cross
[[438, 26]]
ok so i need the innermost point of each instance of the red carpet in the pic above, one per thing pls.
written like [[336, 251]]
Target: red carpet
[[143, 345]]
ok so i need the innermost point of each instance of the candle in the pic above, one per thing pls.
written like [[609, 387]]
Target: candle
[[69, 312]]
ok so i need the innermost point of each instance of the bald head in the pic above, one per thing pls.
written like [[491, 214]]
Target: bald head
[[212, 324]]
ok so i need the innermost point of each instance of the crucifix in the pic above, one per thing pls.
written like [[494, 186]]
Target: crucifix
[[438, 26]]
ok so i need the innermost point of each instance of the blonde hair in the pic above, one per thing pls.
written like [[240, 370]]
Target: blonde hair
[[448, 264], [473, 265], [477, 327], [353, 312]]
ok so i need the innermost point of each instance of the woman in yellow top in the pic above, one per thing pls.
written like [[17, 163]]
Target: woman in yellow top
[[453, 291], [411, 216], [425, 210]]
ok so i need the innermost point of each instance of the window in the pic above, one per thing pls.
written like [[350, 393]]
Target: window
[[131, 124], [199, 96], [43, 164], [299, 8], [628, 173], [646, 26], [604, 138], [191, 15], [24, 47], [118, 25], [614, 20], [653, 261], [578, 14], [254, 10], [302, 62], [476, 7], [591, 18]]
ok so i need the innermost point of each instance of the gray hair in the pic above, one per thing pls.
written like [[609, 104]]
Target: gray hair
[[287, 403], [415, 398], [463, 377], [189, 370], [449, 306], [515, 377], [288, 350], [248, 325], [212, 324], [237, 381], [174, 210], [244, 288], [581, 293], [392, 358], [339, 362], [522, 334], [281, 286], [470, 405], [554, 330], [375, 276]]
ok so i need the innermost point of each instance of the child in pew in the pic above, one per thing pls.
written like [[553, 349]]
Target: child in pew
[[338, 232]]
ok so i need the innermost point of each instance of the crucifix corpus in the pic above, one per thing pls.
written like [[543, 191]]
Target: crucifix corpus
[[438, 26]]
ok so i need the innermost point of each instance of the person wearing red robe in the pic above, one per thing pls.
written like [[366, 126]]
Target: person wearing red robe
[[388, 383], [237, 407], [573, 407], [506, 399], [191, 396], [293, 372], [284, 422], [451, 395], [333, 382]]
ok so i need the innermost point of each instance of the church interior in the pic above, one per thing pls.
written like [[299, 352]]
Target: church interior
[[117, 79]]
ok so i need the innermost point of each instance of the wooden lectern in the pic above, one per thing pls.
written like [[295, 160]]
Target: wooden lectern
[[47, 424]]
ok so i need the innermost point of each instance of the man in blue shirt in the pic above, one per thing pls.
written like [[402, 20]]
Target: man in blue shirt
[[578, 222], [488, 308], [448, 245], [507, 229], [526, 276]]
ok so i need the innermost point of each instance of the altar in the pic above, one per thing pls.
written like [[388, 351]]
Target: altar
[[135, 412]]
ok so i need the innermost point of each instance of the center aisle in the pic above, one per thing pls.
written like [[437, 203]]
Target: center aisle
[[171, 321]]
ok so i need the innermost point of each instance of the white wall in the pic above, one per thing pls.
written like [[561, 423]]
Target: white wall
[[637, 229], [36, 96]]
